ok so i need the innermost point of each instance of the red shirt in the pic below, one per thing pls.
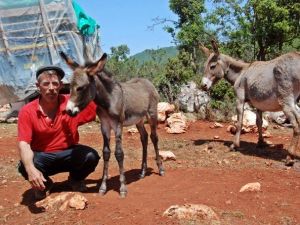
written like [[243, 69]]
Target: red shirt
[[45, 135]]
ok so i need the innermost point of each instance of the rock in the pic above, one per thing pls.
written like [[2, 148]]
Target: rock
[[191, 99], [49, 202], [4, 181], [251, 187], [64, 206], [63, 201], [167, 155], [176, 123], [132, 130], [191, 211], [266, 134], [226, 161], [268, 163], [163, 109], [278, 117], [5, 108], [216, 125], [78, 202], [249, 119], [231, 129]]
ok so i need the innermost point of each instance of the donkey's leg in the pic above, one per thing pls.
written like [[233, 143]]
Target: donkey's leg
[[105, 128], [154, 138], [297, 115], [259, 122], [293, 115], [119, 154], [287, 99], [144, 139], [240, 111]]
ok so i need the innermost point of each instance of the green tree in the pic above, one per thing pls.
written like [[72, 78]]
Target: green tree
[[119, 53], [257, 27], [187, 32], [177, 72], [120, 64]]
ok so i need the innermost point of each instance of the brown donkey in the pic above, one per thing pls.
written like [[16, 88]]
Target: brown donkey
[[268, 86], [119, 104]]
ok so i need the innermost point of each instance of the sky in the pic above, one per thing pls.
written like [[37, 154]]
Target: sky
[[127, 22]]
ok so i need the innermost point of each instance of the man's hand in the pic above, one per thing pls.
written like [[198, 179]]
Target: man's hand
[[36, 178]]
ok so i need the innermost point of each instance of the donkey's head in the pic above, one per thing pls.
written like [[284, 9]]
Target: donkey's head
[[213, 70], [82, 84]]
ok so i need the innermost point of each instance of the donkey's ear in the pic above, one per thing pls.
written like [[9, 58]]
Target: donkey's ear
[[98, 66], [72, 64], [205, 50], [215, 46]]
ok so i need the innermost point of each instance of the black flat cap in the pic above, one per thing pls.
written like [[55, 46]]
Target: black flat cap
[[58, 70]]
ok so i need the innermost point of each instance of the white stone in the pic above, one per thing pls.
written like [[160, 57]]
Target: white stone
[[251, 187], [191, 211], [176, 123], [167, 155]]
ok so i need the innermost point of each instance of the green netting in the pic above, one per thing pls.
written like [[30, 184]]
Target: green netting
[[33, 32], [85, 24]]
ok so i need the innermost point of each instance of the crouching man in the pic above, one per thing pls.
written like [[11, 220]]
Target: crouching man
[[48, 137]]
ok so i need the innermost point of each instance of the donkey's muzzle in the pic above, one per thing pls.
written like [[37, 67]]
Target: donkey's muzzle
[[71, 109], [72, 113], [204, 87], [206, 84]]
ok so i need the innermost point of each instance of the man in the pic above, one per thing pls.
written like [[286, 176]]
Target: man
[[48, 137]]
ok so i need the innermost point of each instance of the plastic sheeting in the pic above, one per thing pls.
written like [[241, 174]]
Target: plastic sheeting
[[33, 32]]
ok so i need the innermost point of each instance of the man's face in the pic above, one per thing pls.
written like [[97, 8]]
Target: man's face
[[49, 85]]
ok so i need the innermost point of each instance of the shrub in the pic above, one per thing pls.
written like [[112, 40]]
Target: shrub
[[222, 104]]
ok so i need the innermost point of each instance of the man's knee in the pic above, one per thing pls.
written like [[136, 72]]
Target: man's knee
[[92, 157]]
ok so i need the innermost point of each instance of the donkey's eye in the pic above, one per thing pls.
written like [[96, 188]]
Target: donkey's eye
[[213, 66]]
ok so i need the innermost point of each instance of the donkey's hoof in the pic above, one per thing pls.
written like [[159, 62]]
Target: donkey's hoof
[[123, 194], [233, 148], [102, 192], [142, 174], [289, 161], [162, 173]]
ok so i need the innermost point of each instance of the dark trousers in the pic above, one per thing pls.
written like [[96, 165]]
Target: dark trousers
[[78, 160]]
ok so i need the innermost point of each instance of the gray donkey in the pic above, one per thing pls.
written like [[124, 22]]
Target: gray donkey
[[119, 104], [268, 86]]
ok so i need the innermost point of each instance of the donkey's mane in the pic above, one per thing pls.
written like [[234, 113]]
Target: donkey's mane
[[107, 80], [235, 64]]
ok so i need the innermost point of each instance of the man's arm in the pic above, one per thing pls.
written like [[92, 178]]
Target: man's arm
[[35, 177], [88, 114]]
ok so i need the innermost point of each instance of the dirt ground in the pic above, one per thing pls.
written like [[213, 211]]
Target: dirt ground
[[205, 172]]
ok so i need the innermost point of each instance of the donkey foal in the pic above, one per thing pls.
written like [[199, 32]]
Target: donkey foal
[[119, 104]]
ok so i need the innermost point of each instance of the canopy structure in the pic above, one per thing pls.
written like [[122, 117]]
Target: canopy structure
[[32, 33]]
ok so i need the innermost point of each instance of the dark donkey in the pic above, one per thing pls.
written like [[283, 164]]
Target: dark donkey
[[119, 104], [268, 86]]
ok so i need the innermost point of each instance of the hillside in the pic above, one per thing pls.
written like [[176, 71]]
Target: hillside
[[162, 54]]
